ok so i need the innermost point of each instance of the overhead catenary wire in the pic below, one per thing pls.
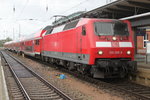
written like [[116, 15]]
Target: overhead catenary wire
[[74, 6], [71, 8], [46, 9], [13, 8], [21, 12]]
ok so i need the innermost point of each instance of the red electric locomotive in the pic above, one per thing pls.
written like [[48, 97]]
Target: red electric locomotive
[[102, 48]]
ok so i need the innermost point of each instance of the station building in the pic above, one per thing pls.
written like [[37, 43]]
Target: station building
[[136, 11], [142, 38]]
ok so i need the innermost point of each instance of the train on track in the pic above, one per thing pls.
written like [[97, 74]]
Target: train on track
[[101, 48]]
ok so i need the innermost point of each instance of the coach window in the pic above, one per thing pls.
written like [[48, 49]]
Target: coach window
[[83, 30], [22, 43], [37, 42]]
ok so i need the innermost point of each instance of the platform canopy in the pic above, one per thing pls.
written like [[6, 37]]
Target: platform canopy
[[120, 9]]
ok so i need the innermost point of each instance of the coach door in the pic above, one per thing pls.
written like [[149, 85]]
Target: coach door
[[37, 46]]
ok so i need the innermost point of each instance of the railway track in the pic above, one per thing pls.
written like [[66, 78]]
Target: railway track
[[132, 90], [13, 88], [28, 85], [125, 88]]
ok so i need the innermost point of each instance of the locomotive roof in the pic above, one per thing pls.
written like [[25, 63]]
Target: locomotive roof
[[83, 21], [11, 42], [8, 42]]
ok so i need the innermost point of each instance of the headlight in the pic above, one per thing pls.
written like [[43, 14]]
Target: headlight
[[128, 52], [114, 38], [100, 52]]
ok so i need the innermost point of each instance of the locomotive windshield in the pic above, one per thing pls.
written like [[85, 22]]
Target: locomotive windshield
[[111, 28]]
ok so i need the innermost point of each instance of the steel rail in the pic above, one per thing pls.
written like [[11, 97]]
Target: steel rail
[[25, 94], [58, 91], [111, 86], [100, 83]]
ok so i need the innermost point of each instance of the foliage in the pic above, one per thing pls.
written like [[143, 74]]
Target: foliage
[[4, 40]]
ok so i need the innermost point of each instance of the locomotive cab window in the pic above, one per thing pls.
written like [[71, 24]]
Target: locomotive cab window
[[83, 30], [120, 28], [111, 28]]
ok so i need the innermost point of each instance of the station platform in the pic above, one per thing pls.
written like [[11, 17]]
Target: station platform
[[143, 65], [142, 58], [143, 74], [3, 87]]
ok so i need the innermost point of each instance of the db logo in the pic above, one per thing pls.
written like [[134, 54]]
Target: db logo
[[115, 44]]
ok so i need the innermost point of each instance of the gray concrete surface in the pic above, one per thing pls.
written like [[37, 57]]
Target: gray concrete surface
[[148, 58], [3, 87], [142, 58]]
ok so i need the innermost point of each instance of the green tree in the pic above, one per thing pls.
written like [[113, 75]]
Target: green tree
[[4, 41]]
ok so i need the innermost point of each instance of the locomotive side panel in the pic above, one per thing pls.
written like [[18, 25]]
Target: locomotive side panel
[[64, 45]]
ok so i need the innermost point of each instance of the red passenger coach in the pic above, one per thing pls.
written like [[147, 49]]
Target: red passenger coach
[[7, 45], [32, 45], [102, 47]]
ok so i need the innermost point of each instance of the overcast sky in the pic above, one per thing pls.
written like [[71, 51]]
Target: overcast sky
[[16, 13]]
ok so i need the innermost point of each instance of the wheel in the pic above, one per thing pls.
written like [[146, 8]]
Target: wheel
[[71, 66], [23, 55], [83, 69]]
